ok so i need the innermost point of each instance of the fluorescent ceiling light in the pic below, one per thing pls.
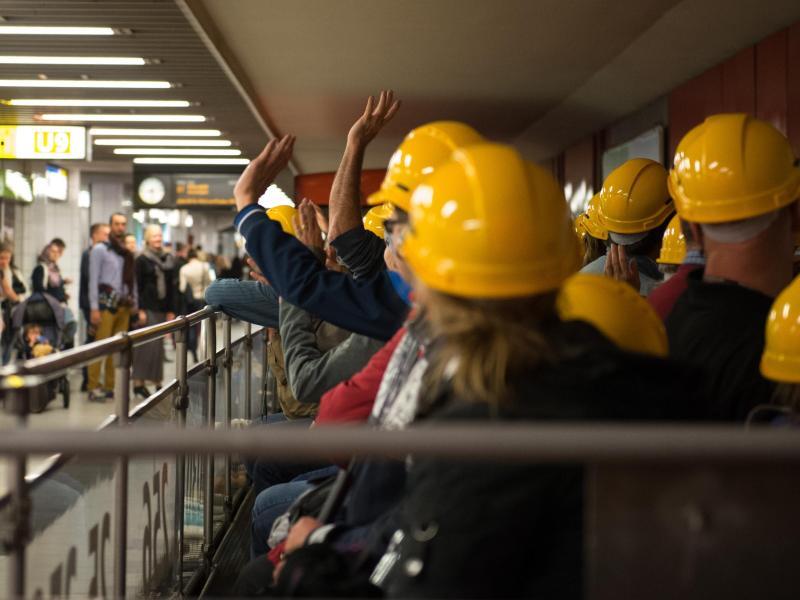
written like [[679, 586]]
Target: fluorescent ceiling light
[[172, 151], [158, 142], [79, 102], [95, 131], [51, 30], [131, 118], [84, 83], [14, 59], [190, 161]]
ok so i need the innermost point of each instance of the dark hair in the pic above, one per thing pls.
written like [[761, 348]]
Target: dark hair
[[593, 248], [686, 229], [58, 242], [179, 246], [6, 247], [116, 214], [191, 254], [649, 243], [95, 226]]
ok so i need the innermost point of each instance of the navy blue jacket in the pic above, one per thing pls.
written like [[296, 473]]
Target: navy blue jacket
[[369, 306]]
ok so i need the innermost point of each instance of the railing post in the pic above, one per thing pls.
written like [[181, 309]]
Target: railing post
[[208, 502], [181, 405], [248, 368], [20, 509], [122, 391], [227, 363]]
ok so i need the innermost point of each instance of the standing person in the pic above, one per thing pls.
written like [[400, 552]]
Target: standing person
[[98, 234], [12, 290], [112, 299], [194, 277], [46, 279], [130, 243], [745, 223], [156, 286]]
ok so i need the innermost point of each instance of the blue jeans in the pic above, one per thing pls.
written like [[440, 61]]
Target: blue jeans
[[245, 300], [276, 500]]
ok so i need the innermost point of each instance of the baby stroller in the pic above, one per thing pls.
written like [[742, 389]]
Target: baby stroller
[[46, 312]]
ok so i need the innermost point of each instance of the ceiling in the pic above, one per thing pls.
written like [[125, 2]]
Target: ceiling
[[158, 31], [538, 73]]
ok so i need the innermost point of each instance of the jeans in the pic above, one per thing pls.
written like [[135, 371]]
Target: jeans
[[250, 301], [276, 500]]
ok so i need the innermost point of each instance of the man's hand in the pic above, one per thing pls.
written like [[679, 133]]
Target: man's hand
[[322, 220], [255, 273], [142, 318], [299, 533], [262, 170], [94, 317], [621, 268], [373, 119], [170, 316], [306, 226]]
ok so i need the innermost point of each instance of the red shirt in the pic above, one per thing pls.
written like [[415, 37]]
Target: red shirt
[[663, 298], [351, 401]]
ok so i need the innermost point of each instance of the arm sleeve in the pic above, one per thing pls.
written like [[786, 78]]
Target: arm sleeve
[[370, 307], [95, 261], [181, 281], [310, 371], [37, 279], [361, 251]]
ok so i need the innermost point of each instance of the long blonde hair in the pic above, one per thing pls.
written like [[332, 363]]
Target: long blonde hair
[[479, 344]]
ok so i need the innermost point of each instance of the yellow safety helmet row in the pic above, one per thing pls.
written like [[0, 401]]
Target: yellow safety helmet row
[[488, 224], [373, 220], [673, 245], [422, 150], [616, 309], [781, 358], [733, 167]]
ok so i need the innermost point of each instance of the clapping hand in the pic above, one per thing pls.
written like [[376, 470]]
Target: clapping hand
[[262, 170]]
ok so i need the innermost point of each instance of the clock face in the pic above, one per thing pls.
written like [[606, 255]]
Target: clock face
[[152, 190]]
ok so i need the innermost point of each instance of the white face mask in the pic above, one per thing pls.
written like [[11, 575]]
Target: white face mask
[[736, 232]]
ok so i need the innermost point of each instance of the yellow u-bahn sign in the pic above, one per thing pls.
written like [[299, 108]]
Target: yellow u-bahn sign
[[42, 141]]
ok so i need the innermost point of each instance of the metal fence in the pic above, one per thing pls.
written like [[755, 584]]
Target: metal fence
[[191, 398]]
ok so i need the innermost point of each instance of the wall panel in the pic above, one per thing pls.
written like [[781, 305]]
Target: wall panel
[[793, 87], [739, 82], [771, 98]]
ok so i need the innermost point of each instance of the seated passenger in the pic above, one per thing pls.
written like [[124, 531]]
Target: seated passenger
[[501, 353], [744, 222], [680, 255], [634, 207]]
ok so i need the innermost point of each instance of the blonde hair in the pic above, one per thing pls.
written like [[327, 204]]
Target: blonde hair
[[151, 230], [481, 343]]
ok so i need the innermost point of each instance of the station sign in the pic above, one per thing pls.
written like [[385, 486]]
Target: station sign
[[42, 142]]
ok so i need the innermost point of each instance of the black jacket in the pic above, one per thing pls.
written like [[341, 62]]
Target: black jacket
[[83, 295], [516, 530], [148, 287]]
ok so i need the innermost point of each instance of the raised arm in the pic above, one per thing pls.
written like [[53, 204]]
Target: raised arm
[[344, 205]]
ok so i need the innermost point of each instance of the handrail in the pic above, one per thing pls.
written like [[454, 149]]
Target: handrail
[[548, 443]]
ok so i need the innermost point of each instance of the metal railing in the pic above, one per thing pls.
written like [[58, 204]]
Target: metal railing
[[20, 382]]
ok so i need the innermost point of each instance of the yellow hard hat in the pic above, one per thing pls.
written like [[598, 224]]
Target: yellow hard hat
[[592, 223], [733, 167], [579, 223], [634, 198], [616, 309], [781, 358], [673, 246], [488, 224], [283, 215], [422, 150], [373, 220]]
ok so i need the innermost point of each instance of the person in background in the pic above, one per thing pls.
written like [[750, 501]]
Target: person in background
[[46, 279], [130, 243], [634, 208], [681, 254], [12, 291], [745, 222], [222, 267], [112, 299], [98, 234], [157, 298], [194, 277]]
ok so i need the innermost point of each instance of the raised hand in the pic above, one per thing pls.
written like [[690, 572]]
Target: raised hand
[[262, 170], [306, 226], [373, 119], [622, 268]]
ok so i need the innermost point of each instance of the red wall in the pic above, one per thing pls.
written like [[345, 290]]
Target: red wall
[[317, 186]]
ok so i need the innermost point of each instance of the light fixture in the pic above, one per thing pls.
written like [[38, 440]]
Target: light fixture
[[189, 161], [177, 151], [14, 59], [158, 142], [122, 117], [85, 83], [53, 30], [96, 131], [97, 103]]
